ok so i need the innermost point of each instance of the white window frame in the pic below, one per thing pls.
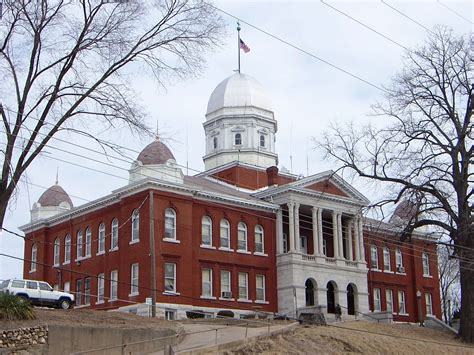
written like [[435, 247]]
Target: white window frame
[[101, 239], [79, 292], [214, 143], [79, 245], [88, 243], [243, 285], [206, 282], [374, 256], [377, 299], [34, 257], [170, 224], [261, 288], [226, 287], [224, 234], [170, 314], [206, 231], [113, 285], [100, 288], [67, 286], [389, 300], [242, 237], [259, 234], [134, 279], [87, 291], [135, 236], [426, 264], [262, 141], [401, 303], [172, 277], [67, 249], [399, 257], [386, 259], [114, 230], [238, 139], [429, 303], [57, 252]]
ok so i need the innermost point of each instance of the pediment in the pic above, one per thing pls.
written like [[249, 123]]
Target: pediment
[[327, 186]]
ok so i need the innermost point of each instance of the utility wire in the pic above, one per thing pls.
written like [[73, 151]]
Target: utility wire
[[406, 16], [455, 12]]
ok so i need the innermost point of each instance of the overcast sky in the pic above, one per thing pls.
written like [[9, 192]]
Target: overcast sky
[[307, 94]]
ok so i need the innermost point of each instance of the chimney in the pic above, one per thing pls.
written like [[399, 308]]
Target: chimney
[[272, 175]]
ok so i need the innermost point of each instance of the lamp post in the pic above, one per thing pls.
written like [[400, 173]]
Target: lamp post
[[420, 316]]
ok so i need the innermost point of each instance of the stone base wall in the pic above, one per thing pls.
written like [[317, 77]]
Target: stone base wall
[[23, 337]]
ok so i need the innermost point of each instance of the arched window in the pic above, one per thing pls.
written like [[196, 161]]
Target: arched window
[[426, 264], [259, 241], [242, 236], [135, 226], [215, 142], [34, 257], [170, 224], [225, 234], [238, 139], [56, 252], [206, 231], [374, 257], [67, 249], [79, 245], [386, 259], [101, 240], [114, 235], [399, 259], [262, 141], [88, 242]]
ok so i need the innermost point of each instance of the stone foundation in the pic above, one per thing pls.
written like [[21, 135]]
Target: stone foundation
[[23, 337]]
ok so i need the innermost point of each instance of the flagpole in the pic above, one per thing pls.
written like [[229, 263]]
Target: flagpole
[[238, 46]]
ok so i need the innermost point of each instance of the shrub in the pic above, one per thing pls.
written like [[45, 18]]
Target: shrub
[[195, 314], [15, 308], [225, 313]]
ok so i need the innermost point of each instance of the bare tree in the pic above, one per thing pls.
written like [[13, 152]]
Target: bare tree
[[425, 151], [448, 267], [63, 61]]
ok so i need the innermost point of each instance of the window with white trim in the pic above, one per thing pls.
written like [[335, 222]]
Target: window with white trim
[[206, 231], [101, 240], [386, 259], [242, 236], [377, 303], [260, 287], [88, 242], [79, 246], [114, 234], [262, 141], [134, 273], [389, 300], [113, 285], [224, 234], [34, 257], [214, 142], [259, 239], [67, 286], [243, 286], [374, 257], [399, 257], [67, 249], [426, 264], [87, 291], [100, 288], [135, 226], [225, 284], [401, 303], [206, 275], [56, 254], [170, 277], [170, 223], [429, 303], [78, 292], [170, 314], [238, 139]]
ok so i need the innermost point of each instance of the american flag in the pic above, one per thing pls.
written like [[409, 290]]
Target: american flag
[[244, 47]]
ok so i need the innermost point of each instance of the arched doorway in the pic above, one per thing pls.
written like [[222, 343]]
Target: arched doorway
[[310, 290], [331, 296], [350, 299]]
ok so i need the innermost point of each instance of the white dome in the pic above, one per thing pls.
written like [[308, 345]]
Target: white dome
[[239, 90]]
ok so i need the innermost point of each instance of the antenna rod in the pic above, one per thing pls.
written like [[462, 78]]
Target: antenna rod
[[238, 46]]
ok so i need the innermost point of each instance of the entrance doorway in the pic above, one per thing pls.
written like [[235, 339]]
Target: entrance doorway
[[331, 299], [310, 288], [350, 300]]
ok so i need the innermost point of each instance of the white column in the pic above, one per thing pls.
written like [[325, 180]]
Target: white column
[[339, 235], [279, 231], [355, 224], [361, 236], [297, 228], [314, 215], [291, 226], [320, 230], [335, 234], [349, 239]]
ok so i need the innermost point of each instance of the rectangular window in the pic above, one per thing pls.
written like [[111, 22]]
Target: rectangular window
[[114, 236], [386, 259], [225, 238], [67, 250], [88, 242], [377, 307], [243, 286], [67, 286], [429, 303], [100, 288], [87, 291], [206, 282], [260, 287], [170, 277], [242, 237], [225, 284], [399, 258], [134, 279], [170, 314], [401, 303], [101, 244], [113, 284], [259, 240], [78, 292], [389, 300], [206, 229], [374, 257], [426, 264]]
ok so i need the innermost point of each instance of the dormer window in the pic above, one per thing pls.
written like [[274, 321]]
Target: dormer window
[[238, 139], [262, 141], [215, 142]]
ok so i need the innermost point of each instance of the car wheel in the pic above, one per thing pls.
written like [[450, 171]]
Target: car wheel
[[65, 304], [23, 299]]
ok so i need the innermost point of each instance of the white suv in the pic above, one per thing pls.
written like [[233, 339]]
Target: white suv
[[39, 293]]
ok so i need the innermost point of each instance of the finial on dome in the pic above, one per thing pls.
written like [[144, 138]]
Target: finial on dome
[[57, 175], [157, 134]]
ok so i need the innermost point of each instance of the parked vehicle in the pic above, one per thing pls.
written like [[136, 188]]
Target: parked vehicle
[[39, 293]]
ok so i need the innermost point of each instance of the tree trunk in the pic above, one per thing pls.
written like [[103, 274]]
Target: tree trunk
[[466, 264], [4, 198]]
